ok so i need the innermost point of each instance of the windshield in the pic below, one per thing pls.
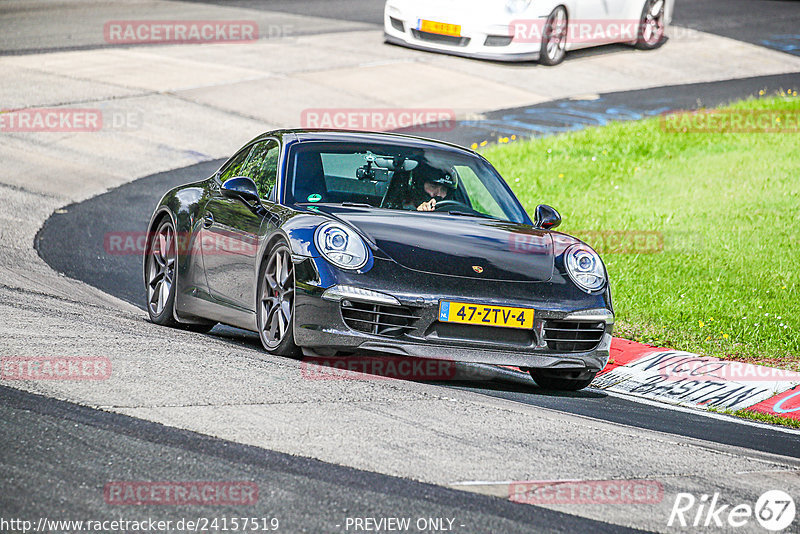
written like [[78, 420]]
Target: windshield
[[398, 177]]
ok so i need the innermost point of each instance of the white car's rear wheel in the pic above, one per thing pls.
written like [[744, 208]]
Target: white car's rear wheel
[[554, 38], [651, 26]]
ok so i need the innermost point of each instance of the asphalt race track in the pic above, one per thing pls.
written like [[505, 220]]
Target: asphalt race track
[[744, 20], [75, 242], [773, 23], [304, 495]]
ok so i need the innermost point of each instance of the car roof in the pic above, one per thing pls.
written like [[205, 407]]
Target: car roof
[[308, 135]]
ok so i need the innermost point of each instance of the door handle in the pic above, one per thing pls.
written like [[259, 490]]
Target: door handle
[[208, 220]]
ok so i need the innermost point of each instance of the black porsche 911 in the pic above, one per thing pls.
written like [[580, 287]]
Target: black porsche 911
[[334, 242]]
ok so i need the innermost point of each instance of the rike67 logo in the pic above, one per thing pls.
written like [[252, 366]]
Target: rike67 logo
[[774, 511]]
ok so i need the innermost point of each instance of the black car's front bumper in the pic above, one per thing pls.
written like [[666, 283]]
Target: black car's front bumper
[[321, 327]]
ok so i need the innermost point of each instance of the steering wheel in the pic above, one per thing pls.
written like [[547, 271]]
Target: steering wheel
[[447, 205]]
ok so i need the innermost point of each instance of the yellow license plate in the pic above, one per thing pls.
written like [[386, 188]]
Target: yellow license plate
[[484, 314], [441, 28]]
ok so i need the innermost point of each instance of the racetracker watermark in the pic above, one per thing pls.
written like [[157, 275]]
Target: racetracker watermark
[[51, 120], [380, 119], [579, 31], [587, 492], [55, 368], [221, 242], [74, 120], [376, 368], [199, 493], [700, 369], [731, 121], [603, 241], [180, 31], [623, 241]]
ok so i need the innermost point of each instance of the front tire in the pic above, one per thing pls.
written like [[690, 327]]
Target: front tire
[[651, 33], [547, 380], [275, 305], [554, 38]]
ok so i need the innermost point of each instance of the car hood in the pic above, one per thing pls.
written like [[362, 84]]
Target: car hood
[[453, 245]]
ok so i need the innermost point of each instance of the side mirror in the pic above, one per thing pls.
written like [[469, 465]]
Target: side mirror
[[546, 217], [241, 188]]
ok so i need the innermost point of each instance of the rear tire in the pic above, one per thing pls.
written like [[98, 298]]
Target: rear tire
[[275, 302], [554, 38], [159, 271], [547, 380]]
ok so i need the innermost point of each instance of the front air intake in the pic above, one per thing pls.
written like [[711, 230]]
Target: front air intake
[[440, 39], [498, 40], [573, 336], [378, 319], [397, 24]]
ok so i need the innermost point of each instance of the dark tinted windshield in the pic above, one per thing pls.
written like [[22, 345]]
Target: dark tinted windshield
[[397, 177]]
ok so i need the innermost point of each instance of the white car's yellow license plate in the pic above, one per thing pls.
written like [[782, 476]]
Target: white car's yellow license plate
[[442, 28], [485, 314]]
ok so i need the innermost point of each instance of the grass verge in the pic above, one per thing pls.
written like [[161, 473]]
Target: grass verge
[[760, 417], [700, 231]]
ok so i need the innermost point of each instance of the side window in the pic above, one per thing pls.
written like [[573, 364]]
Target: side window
[[262, 166], [235, 167], [480, 197]]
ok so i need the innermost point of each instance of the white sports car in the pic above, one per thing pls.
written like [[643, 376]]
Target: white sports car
[[524, 30]]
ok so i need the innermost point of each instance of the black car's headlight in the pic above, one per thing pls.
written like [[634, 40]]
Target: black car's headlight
[[341, 246], [585, 268]]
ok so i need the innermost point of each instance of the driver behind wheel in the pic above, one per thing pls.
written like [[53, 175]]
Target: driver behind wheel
[[430, 185]]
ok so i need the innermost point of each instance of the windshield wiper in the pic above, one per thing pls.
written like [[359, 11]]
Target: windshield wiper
[[470, 214], [357, 205]]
